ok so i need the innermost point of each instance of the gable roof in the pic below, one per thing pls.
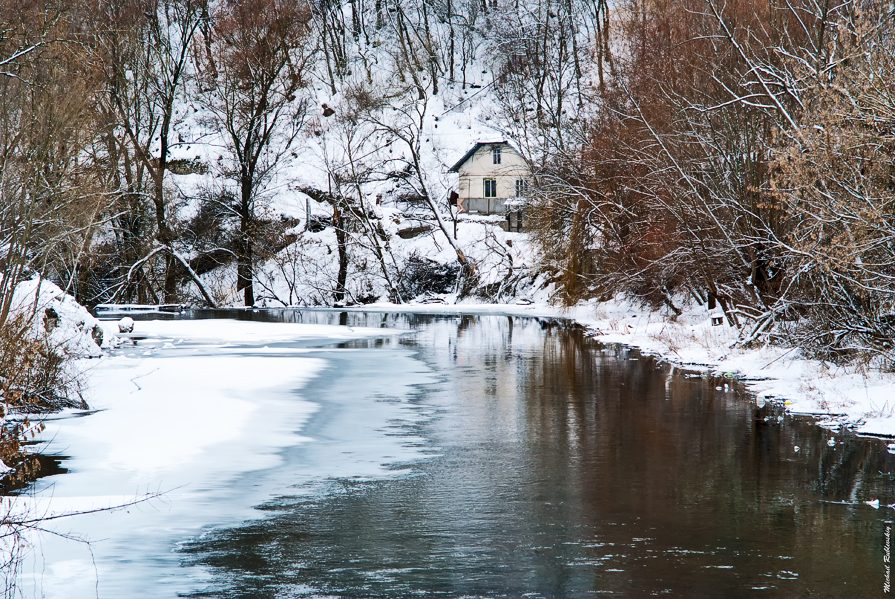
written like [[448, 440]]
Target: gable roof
[[475, 148]]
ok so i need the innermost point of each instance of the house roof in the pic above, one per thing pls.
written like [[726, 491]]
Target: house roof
[[474, 149]]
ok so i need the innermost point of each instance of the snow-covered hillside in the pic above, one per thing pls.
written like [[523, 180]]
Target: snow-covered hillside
[[359, 161]]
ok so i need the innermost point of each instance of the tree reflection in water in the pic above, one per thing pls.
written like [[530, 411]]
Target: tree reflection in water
[[565, 469]]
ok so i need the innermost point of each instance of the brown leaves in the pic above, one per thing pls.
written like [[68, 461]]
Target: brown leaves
[[745, 153], [32, 380], [254, 39]]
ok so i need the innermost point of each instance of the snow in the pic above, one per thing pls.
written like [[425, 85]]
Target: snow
[[197, 412], [72, 334], [303, 274], [223, 333]]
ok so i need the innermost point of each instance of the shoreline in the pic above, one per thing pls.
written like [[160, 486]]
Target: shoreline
[[150, 395], [835, 397]]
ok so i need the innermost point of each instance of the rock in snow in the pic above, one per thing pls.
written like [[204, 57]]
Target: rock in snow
[[70, 328]]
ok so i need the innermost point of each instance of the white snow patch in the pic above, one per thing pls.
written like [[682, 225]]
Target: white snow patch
[[187, 420], [72, 332]]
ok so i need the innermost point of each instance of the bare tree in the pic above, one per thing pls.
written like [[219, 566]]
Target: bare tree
[[833, 178], [741, 154], [262, 52], [46, 123], [145, 47], [352, 152], [404, 125]]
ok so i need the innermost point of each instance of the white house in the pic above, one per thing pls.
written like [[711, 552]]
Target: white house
[[492, 175]]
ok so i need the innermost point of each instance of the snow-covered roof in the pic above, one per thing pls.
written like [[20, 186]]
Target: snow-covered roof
[[475, 148]]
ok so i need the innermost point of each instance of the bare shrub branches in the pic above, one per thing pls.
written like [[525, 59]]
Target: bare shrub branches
[[743, 155]]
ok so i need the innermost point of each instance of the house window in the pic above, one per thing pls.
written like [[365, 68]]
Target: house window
[[521, 187], [490, 188], [495, 155]]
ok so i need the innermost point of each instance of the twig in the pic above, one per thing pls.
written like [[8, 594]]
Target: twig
[[133, 380]]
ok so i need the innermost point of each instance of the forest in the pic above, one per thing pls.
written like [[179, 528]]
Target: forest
[[735, 154]]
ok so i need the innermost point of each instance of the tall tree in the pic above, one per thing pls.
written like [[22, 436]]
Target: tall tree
[[262, 53], [46, 124], [145, 47]]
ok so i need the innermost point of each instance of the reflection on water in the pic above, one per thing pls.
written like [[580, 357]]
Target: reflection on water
[[566, 470]]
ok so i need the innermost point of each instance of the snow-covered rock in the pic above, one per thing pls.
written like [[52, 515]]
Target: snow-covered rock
[[70, 328]]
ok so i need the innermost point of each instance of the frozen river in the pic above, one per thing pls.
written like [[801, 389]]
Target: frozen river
[[474, 456]]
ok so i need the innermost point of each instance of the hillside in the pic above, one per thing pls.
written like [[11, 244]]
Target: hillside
[[692, 156]]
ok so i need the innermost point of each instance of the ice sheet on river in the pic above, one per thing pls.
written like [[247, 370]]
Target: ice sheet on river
[[207, 427], [236, 332]]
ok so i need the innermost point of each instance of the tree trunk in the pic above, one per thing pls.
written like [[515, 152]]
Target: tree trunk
[[244, 257], [450, 16], [341, 240]]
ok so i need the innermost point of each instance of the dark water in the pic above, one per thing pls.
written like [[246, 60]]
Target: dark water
[[564, 469]]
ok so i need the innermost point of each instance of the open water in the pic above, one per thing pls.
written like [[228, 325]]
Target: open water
[[550, 466]]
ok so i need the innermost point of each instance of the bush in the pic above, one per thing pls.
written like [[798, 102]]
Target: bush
[[45, 329], [33, 380], [422, 275]]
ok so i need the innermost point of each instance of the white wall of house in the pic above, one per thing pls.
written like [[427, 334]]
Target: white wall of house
[[481, 167]]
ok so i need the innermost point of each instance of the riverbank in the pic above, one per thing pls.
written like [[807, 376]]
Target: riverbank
[[492, 446], [837, 397]]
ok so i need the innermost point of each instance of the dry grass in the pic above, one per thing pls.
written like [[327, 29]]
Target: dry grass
[[33, 379]]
